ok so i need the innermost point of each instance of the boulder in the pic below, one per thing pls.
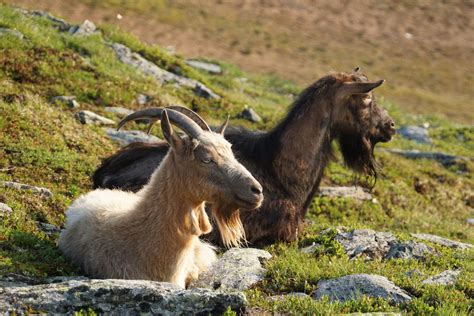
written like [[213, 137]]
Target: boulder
[[126, 56], [118, 110], [238, 268], [354, 286], [70, 101], [9, 32], [443, 241], [42, 192], [48, 229], [416, 133], [5, 210], [250, 115], [60, 24], [349, 192], [443, 158], [88, 117], [85, 29], [366, 242], [128, 137], [447, 277], [408, 250], [124, 297], [208, 67]]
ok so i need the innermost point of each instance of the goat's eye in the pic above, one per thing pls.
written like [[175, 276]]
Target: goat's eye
[[206, 160]]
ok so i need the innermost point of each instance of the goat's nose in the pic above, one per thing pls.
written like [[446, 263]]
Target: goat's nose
[[256, 190], [390, 124]]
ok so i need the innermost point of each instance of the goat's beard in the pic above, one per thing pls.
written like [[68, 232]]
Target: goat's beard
[[358, 153], [231, 230]]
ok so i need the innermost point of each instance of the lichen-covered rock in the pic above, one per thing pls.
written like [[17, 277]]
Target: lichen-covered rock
[[128, 137], [85, 29], [88, 117], [126, 56], [250, 115], [43, 192], [416, 133], [443, 241], [447, 277], [118, 110], [238, 268], [5, 209], [48, 228], [350, 192], [409, 250], [366, 242], [443, 158], [351, 287], [9, 32], [201, 65], [123, 297], [68, 100], [60, 24]]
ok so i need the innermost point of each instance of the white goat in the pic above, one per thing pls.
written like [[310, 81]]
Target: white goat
[[154, 234]]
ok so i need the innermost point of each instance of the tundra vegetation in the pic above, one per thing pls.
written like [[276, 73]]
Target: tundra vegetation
[[42, 144]]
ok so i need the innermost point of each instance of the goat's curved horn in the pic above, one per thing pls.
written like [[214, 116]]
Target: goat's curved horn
[[192, 115], [176, 118], [221, 129]]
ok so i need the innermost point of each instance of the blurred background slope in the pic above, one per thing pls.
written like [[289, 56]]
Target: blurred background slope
[[424, 49]]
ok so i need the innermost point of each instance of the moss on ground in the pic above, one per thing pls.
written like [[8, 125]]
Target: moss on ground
[[41, 144]]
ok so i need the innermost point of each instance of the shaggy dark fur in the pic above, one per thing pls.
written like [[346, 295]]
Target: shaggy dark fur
[[289, 160]]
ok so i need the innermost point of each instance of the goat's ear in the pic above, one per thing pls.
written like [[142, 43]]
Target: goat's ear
[[351, 88], [171, 137], [221, 129]]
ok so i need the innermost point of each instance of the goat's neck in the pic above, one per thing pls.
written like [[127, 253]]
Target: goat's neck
[[167, 205], [303, 140]]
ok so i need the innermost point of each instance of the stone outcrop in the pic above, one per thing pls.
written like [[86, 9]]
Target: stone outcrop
[[349, 192], [88, 117], [238, 268], [128, 137], [353, 286], [43, 192], [443, 241], [447, 277], [366, 242]]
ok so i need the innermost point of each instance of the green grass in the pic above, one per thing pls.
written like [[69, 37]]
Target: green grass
[[41, 144]]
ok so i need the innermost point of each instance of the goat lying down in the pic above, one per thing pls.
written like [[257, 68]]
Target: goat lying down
[[154, 234]]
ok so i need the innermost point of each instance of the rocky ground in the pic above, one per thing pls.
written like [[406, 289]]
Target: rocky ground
[[404, 246]]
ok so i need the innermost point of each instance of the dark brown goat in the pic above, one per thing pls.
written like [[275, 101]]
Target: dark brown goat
[[290, 159]]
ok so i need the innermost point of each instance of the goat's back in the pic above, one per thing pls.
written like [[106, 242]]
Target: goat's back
[[131, 167]]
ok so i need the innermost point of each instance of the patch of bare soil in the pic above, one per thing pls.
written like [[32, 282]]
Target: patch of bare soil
[[423, 48]]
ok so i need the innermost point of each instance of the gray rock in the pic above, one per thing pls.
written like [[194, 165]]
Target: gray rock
[[470, 221], [126, 56], [88, 117], [415, 133], [124, 297], [350, 192], [49, 229], [85, 29], [353, 286], [250, 115], [118, 110], [299, 295], [70, 101], [59, 23], [366, 242], [238, 268], [143, 99], [447, 277], [5, 209], [443, 241], [409, 250], [43, 192], [443, 158], [311, 249], [6, 31], [128, 137], [201, 65]]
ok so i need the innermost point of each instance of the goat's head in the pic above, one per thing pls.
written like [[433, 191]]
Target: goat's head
[[213, 171], [359, 123]]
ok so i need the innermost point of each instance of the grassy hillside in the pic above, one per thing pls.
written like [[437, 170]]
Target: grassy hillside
[[42, 144], [423, 48]]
